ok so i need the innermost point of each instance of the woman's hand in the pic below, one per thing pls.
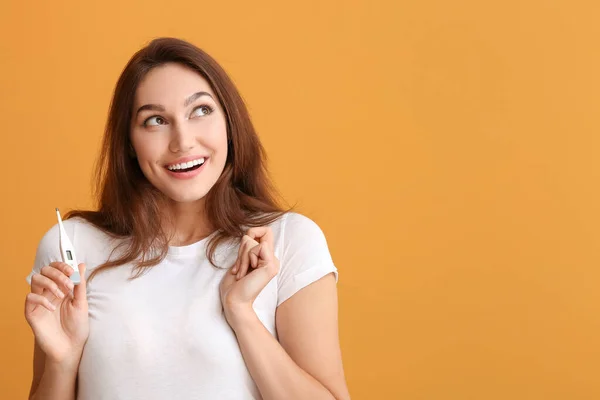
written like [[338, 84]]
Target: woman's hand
[[254, 268], [57, 316]]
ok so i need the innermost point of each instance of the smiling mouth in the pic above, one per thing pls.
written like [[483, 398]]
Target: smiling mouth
[[191, 166], [186, 169]]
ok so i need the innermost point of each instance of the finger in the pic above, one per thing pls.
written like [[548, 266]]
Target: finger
[[33, 300], [261, 234], [62, 267], [266, 252], [243, 257], [236, 264], [58, 277], [263, 256], [267, 258], [80, 291], [245, 260], [40, 282], [254, 257]]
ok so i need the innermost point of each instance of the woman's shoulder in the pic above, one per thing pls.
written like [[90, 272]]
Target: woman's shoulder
[[90, 242], [293, 229], [297, 224], [82, 233], [303, 252]]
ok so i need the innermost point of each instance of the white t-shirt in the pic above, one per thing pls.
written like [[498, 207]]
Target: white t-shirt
[[164, 335]]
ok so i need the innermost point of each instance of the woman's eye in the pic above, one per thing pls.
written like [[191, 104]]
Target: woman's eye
[[202, 110], [154, 121]]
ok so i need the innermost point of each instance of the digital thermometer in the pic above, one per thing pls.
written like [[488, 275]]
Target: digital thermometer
[[68, 251]]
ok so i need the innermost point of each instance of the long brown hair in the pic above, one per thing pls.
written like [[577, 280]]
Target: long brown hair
[[129, 205]]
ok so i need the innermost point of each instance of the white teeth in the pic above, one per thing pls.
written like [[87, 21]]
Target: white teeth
[[186, 165]]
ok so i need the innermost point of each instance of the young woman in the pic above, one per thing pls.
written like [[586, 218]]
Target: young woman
[[195, 283]]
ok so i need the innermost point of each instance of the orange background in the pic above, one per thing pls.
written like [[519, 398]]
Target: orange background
[[448, 149]]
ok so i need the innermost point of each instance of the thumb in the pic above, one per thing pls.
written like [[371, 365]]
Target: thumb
[[80, 290]]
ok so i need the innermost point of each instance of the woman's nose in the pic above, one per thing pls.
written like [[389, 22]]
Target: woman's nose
[[183, 138]]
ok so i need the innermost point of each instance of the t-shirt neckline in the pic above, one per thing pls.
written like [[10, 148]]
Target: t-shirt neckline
[[193, 249]]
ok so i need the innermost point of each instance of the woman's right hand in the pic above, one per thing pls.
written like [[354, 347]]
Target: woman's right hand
[[57, 316]]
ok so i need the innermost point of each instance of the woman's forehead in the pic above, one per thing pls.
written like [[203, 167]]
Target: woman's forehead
[[170, 84]]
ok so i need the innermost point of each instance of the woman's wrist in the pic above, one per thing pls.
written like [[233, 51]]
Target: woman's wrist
[[67, 366], [240, 315]]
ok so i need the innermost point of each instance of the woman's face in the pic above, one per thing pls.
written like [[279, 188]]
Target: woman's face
[[177, 126]]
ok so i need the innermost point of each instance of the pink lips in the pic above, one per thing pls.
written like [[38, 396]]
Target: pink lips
[[188, 174]]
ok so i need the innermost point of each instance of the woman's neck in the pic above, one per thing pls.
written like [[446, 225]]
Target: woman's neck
[[188, 223]]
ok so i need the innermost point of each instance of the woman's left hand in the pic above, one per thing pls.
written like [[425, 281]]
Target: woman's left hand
[[254, 268]]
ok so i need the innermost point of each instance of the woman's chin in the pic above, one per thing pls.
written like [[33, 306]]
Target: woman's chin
[[183, 198]]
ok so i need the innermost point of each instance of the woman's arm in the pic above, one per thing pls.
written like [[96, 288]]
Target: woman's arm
[[52, 381], [306, 363]]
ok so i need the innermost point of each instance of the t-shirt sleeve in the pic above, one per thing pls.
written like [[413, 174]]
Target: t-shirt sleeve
[[305, 256], [48, 249]]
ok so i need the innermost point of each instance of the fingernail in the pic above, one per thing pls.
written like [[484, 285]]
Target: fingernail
[[70, 285], [60, 294], [70, 271], [53, 307], [235, 268]]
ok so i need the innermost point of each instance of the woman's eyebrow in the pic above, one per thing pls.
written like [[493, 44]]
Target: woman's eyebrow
[[188, 101], [152, 107], [194, 97]]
